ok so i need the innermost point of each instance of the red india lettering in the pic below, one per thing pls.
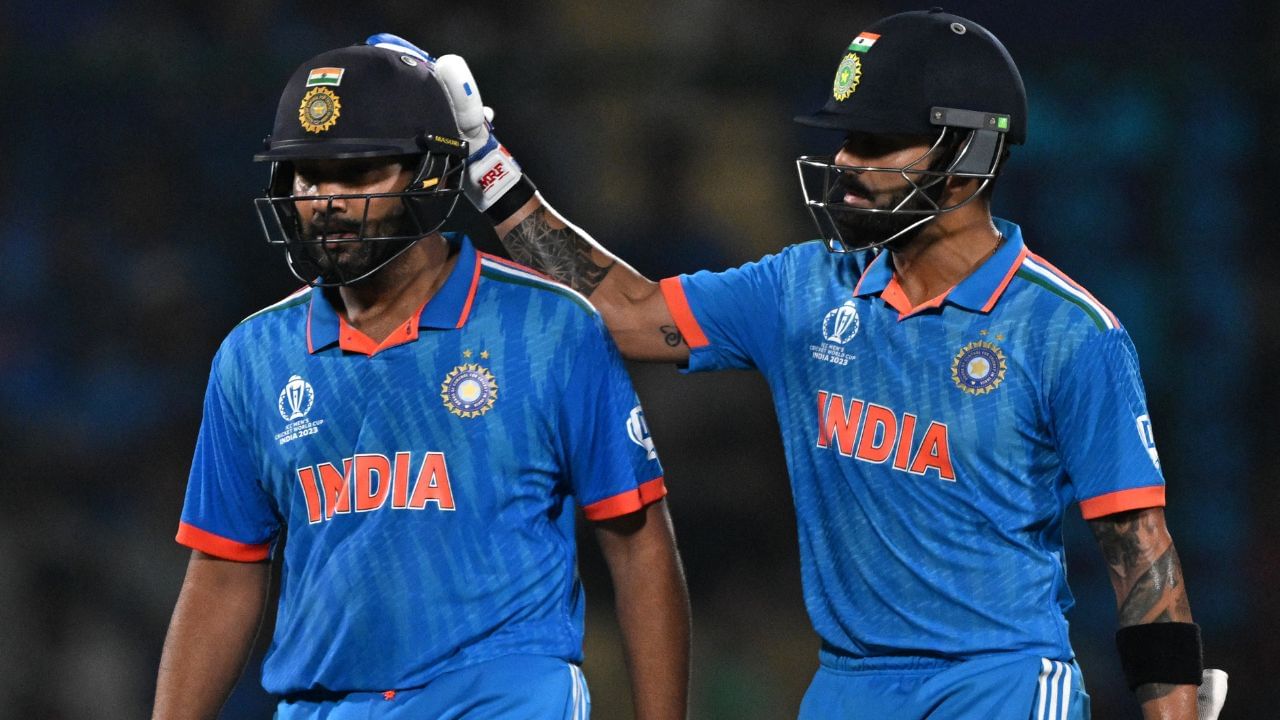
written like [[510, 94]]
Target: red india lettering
[[372, 480], [432, 484], [839, 424], [935, 453], [337, 494], [880, 420]]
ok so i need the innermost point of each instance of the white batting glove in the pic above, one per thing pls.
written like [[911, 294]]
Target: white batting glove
[[492, 174], [1212, 694], [397, 44]]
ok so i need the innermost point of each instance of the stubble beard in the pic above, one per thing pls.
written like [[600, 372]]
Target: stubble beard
[[345, 258], [860, 228]]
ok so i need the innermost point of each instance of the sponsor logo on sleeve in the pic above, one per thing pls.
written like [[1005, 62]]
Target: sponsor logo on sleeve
[[1148, 438], [638, 431]]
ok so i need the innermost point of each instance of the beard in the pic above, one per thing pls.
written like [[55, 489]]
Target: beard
[[859, 228], [336, 259]]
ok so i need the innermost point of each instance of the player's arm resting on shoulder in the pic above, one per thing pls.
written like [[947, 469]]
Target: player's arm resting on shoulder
[[652, 605], [1147, 578], [210, 635], [632, 305]]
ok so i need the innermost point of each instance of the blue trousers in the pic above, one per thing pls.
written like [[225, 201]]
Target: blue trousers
[[996, 687], [515, 687]]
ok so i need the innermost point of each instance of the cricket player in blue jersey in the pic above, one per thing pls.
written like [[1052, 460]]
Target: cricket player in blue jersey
[[944, 395], [421, 419]]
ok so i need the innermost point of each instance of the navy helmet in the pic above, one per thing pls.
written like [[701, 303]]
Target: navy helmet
[[922, 73], [352, 103]]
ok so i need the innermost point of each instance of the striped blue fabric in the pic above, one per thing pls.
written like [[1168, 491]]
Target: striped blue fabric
[[428, 489], [934, 451]]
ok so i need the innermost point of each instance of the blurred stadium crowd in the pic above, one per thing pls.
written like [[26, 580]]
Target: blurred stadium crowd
[[130, 248]]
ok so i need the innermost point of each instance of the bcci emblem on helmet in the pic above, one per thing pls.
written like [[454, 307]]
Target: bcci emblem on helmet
[[848, 74], [319, 110]]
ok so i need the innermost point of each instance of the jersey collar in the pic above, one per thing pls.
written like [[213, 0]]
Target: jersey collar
[[978, 292], [448, 309]]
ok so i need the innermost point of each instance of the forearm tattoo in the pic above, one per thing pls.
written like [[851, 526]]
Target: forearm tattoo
[[560, 252], [1144, 567], [1146, 575], [671, 335]]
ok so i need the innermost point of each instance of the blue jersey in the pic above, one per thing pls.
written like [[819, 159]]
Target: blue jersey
[[933, 450], [427, 483]]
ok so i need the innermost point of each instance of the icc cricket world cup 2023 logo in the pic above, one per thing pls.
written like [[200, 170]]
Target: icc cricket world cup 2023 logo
[[296, 399], [841, 324]]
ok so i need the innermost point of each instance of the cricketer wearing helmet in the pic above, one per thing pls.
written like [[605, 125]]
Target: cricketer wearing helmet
[[944, 394], [423, 421]]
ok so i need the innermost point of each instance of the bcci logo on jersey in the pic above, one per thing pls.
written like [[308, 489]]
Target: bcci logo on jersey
[[979, 367], [294, 404], [638, 431], [469, 390], [838, 328]]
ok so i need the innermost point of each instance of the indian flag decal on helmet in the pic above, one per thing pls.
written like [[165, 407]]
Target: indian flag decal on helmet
[[325, 76], [847, 76], [863, 42]]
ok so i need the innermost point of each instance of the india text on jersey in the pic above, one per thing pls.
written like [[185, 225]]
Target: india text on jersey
[[367, 479], [879, 434]]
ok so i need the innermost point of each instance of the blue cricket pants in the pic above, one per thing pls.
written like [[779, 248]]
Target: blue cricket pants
[[996, 687], [514, 687]]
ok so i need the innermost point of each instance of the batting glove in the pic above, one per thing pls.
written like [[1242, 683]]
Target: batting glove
[[397, 44], [494, 183]]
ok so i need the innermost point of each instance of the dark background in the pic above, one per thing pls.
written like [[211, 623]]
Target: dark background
[[129, 248]]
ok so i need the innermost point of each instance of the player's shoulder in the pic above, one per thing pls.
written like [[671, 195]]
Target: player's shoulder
[[1059, 301], [279, 309], [811, 258], [264, 328], [520, 284]]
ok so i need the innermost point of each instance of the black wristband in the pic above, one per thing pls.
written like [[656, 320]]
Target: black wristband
[[1161, 653], [512, 200]]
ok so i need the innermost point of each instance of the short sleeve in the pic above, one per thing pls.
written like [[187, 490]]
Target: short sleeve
[[730, 319], [227, 513], [1103, 429], [613, 466]]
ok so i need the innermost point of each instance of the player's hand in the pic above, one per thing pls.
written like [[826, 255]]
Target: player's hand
[[397, 44], [491, 171]]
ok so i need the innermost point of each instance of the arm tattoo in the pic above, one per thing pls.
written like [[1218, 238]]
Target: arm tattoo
[[671, 335], [1146, 575], [1144, 567], [559, 252]]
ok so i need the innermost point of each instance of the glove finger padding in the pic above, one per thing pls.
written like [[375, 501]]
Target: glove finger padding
[[468, 109], [491, 171]]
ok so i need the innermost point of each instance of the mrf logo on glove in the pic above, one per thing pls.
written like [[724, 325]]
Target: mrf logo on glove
[[493, 177], [495, 174]]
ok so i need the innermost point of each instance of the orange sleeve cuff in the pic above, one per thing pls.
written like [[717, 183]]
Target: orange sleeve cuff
[[218, 546], [1122, 500], [678, 305], [625, 503]]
